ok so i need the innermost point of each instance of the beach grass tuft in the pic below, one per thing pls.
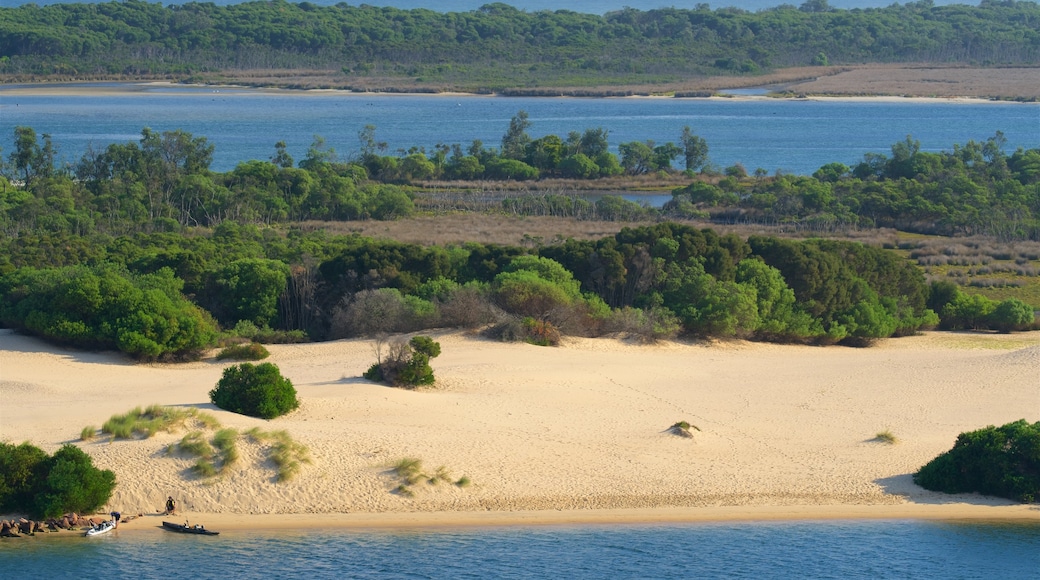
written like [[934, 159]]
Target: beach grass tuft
[[287, 455], [147, 422], [88, 433], [411, 473], [886, 436]]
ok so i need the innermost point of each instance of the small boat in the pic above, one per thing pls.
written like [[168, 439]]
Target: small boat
[[102, 528], [186, 529]]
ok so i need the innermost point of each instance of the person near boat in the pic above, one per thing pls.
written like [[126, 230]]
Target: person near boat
[[171, 506]]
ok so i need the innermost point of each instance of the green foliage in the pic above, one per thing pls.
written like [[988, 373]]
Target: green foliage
[[560, 48], [104, 307], [1011, 314], [70, 483], [22, 469], [250, 351], [250, 288], [407, 364], [255, 390], [999, 461]]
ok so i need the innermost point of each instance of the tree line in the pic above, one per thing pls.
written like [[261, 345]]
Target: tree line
[[163, 183], [170, 295], [499, 46]]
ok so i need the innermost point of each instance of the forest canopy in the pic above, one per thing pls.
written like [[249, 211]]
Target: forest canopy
[[498, 45]]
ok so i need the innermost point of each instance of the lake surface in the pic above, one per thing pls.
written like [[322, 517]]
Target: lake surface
[[797, 136], [827, 549]]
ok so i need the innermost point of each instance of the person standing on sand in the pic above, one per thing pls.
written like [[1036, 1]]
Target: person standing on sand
[[171, 506]]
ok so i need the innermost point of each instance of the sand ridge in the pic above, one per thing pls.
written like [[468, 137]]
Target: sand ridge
[[573, 433]]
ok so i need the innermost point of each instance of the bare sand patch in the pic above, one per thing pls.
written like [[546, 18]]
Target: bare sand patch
[[553, 435]]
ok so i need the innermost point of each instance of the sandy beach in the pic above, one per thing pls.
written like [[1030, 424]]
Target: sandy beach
[[575, 434]]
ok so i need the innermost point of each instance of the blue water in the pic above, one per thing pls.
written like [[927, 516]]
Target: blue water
[[796, 136], [583, 6], [830, 549]]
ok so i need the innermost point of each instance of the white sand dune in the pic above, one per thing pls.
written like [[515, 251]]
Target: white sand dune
[[576, 433]]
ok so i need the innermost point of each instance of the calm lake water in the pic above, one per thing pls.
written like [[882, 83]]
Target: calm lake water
[[831, 549], [797, 136]]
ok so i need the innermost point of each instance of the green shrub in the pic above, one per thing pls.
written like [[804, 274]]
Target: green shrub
[[250, 351], [22, 469], [106, 307], [255, 390], [407, 364], [998, 461], [72, 484]]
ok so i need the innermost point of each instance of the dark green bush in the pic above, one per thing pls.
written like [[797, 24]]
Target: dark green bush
[[249, 351], [998, 461], [255, 390], [22, 467], [106, 307], [34, 483], [407, 364]]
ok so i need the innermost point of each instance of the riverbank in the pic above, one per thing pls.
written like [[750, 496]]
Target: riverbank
[[514, 433], [918, 81]]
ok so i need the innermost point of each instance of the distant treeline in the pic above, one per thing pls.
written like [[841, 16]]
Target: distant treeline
[[500, 46], [163, 183]]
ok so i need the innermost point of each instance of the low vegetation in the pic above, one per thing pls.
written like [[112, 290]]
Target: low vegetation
[[683, 429], [255, 390], [154, 419], [406, 364], [249, 351], [36, 484], [410, 473], [886, 436], [998, 461], [287, 455]]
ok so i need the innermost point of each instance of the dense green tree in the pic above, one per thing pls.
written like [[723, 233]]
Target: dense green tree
[[695, 149], [1011, 314], [249, 289]]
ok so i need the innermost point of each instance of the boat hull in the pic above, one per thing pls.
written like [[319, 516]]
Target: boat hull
[[183, 529]]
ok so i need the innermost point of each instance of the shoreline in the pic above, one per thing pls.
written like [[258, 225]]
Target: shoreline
[[952, 512], [157, 88]]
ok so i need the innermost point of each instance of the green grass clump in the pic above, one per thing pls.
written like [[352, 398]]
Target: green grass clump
[[410, 472], [249, 351], [154, 419], [88, 433], [195, 444], [226, 441], [287, 455], [886, 436]]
